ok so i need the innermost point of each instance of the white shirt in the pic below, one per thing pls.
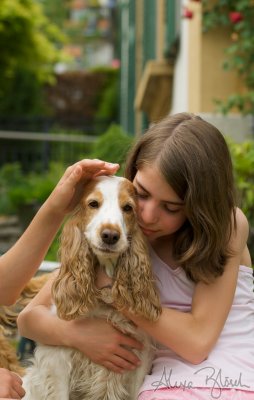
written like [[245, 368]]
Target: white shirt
[[231, 363]]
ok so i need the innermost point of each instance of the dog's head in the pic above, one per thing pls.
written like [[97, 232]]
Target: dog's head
[[109, 209], [103, 230]]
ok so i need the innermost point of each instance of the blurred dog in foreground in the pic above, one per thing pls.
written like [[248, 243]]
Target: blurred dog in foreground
[[8, 326]]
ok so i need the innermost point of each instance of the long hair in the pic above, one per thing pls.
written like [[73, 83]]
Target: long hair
[[194, 159]]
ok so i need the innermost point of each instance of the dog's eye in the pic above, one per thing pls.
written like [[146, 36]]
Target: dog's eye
[[127, 208], [93, 204]]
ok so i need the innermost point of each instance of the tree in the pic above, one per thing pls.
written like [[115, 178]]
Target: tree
[[56, 10], [29, 48]]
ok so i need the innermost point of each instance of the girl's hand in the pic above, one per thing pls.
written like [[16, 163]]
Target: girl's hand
[[10, 385], [69, 189], [94, 337], [103, 344]]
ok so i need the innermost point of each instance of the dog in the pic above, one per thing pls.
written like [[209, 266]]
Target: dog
[[8, 324], [102, 231]]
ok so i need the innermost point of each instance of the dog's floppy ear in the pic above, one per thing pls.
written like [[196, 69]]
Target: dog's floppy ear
[[134, 286], [74, 292]]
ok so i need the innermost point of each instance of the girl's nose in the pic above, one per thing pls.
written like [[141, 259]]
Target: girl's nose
[[148, 212]]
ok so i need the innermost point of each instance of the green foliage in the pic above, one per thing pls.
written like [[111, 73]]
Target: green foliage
[[10, 177], [240, 54], [108, 99], [18, 189], [112, 146], [56, 10], [243, 162], [29, 50]]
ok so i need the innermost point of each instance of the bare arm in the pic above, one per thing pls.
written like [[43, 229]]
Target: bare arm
[[19, 264], [193, 334], [96, 338]]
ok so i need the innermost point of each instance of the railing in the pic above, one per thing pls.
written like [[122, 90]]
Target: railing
[[35, 150]]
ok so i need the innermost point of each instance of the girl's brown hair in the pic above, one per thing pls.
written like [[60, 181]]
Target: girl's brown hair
[[194, 159]]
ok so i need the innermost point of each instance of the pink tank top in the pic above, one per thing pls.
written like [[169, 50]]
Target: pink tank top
[[231, 363]]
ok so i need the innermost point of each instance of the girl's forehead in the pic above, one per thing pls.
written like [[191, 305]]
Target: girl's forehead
[[152, 181]]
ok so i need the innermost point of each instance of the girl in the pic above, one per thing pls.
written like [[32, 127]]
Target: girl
[[182, 171], [20, 263]]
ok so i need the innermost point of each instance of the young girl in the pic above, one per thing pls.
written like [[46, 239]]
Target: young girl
[[182, 171], [20, 263]]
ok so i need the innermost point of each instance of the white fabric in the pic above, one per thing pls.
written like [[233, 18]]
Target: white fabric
[[231, 363]]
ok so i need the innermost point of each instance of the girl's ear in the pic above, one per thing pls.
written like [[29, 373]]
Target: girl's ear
[[74, 292], [134, 286]]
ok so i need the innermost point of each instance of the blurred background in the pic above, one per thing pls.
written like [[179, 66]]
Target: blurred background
[[84, 78]]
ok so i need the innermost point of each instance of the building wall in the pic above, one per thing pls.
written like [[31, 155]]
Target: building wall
[[199, 77]]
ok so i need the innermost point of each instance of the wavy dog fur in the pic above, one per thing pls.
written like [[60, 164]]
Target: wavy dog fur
[[102, 232], [8, 324]]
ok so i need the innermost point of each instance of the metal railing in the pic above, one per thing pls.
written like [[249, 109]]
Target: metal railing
[[35, 150]]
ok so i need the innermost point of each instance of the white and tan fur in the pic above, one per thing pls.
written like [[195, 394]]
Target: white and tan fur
[[102, 231]]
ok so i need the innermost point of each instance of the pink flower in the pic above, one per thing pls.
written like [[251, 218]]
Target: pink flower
[[187, 13], [235, 17]]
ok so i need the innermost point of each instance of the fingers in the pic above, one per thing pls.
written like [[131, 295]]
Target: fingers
[[10, 385], [122, 358], [119, 365], [96, 167], [131, 343], [88, 169], [17, 386]]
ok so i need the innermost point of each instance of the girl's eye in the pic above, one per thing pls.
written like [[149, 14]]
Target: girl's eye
[[142, 195], [93, 204], [170, 210]]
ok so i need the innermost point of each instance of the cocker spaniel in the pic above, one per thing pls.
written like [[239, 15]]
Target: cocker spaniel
[[102, 232], [8, 324]]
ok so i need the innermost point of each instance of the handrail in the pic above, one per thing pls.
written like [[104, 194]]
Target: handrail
[[49, 137]]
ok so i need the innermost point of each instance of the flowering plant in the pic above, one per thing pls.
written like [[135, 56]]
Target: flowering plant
[[238, 16]]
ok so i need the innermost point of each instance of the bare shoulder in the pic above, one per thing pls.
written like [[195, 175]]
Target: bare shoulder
[[239, 241], [242, 224]]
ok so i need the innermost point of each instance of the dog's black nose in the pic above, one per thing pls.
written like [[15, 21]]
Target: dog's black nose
[[110, 236]]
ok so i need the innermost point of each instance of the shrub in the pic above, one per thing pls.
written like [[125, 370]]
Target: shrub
[[243, 162], [18, 189], [112, 146]]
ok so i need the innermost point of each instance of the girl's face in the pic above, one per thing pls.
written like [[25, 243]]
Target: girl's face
[[160, 210]]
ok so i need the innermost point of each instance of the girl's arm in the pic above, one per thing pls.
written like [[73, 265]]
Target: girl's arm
[[193, 334], [19, 264], [96, 338]]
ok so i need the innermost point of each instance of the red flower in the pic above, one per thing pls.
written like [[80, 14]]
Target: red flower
[[187, 13], [235, 17]]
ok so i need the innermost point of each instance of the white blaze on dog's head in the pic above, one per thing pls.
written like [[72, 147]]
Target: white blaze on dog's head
[[109, 204]]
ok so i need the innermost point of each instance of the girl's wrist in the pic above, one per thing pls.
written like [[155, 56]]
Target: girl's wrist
[[49, 211]]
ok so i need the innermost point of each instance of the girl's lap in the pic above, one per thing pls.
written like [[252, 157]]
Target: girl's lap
[[196, 394]]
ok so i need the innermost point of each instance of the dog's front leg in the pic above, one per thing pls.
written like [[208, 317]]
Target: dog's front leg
[[137, 377], [48, 378]]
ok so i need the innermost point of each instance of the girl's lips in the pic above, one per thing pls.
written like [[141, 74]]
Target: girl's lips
[[147, 231]]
